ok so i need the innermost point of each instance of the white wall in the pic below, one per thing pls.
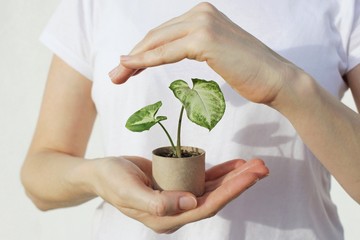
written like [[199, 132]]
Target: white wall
[[23, 69]]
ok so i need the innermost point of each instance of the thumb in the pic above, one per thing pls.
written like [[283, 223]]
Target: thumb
[[120, 74], [167, 203]]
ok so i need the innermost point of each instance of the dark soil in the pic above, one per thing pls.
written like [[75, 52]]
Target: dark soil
[[184, 154]]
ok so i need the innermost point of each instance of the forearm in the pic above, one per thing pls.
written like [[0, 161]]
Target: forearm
[[54, 180], [329, 128]]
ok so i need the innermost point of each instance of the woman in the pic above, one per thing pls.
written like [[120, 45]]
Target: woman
[[282, 84]]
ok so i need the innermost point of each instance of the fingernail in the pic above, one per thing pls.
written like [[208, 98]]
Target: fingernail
[[187, 203]]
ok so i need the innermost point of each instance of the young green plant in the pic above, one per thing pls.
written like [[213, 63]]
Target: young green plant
[[204, 105]]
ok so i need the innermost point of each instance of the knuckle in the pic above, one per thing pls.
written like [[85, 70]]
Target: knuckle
[[204, 18], [206, 34], [157, 55], [205, 30], [202, 39], [259, 161], [159, 52], [256, 162], [157, 206], [161, 209], [150, 34], [206, 6]]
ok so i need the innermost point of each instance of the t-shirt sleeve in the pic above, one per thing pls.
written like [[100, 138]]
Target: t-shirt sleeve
[[68, 35], [354, 41]]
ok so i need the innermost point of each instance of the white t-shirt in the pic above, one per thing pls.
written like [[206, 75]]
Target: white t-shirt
[[321, 36]]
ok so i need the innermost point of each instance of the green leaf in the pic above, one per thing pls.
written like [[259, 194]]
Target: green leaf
[[144, 118], [204, 103]]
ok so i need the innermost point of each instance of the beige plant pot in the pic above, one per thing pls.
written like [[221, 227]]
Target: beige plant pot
[[179, 174]]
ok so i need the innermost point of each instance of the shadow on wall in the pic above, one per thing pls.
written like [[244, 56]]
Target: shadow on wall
[[245, 136]]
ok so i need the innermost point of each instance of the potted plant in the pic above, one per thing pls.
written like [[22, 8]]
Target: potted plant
[[178, 167]]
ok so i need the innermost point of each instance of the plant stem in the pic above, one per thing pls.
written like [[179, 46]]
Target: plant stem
[[169, 137], [178, 145]]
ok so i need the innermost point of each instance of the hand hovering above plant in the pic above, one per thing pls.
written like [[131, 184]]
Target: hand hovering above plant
[[207, 35], [204, 105]]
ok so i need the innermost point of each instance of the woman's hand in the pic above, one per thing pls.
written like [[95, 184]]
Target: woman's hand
[[205, 34], [126, 183]]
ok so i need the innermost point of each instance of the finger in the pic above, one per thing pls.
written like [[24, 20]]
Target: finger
[[222, 169], [215, 200], [212, 202], [170, 31], [120, 74], [142, 198], [161, 203], [167, 203], [138, 71], [255, 166], [148, 50], [144, 164], [168, 53], [175, 28], [161, 36], [166, 32]]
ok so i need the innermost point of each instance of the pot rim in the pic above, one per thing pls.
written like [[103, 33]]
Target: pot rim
[[156, 151]]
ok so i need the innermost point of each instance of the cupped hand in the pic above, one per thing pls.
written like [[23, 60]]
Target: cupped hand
[[126, 183], [205, 34]]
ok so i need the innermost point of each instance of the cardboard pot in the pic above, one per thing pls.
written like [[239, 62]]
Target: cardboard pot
[[179, 174]]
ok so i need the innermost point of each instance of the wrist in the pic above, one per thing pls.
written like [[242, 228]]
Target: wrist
[[82, 177], [297, 87]]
